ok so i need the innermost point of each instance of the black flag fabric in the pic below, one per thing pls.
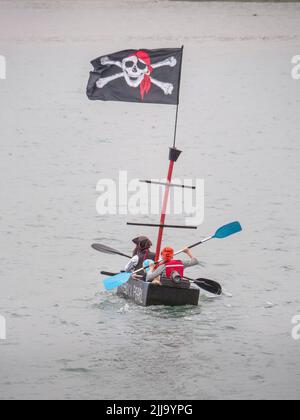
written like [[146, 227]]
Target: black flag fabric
[[145, 76]]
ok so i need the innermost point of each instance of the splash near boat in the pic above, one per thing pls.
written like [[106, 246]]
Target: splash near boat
[[152, 278]]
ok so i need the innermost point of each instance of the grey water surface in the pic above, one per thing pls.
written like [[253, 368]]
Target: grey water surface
[[239, 130]]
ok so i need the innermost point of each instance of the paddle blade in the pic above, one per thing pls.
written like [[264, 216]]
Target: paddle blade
[[228, 230], [104, 249], [108, 250], [210, 286], [113, 282]]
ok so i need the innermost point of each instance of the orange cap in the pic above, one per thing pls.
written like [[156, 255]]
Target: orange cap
[[167, 254]]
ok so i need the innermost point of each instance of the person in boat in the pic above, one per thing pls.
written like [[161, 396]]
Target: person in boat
[[141, 253], [170, 268]]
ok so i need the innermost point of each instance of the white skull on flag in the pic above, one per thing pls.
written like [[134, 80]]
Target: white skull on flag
[[137, 70]]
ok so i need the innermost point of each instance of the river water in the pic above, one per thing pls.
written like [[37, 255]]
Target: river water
[[239, 129]]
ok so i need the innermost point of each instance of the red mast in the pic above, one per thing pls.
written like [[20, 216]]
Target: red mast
[[174, 155]]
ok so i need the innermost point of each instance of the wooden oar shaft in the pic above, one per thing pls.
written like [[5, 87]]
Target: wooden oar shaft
[[162, 226], [166, 183]]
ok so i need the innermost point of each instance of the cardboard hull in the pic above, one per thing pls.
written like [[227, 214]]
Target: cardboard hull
[[147, 294]]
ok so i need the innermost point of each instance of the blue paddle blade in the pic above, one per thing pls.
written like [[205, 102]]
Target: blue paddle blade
[[111, 283], [228, 230]]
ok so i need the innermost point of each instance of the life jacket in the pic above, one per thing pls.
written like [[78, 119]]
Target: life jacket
[[174, 265]]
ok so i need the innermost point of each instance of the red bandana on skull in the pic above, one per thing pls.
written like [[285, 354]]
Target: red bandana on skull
[[145, 85]]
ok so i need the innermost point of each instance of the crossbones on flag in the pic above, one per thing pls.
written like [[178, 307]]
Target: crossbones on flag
[[146, 76]]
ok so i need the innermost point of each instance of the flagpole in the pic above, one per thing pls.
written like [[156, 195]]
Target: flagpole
[[174, 155], [178, 97]]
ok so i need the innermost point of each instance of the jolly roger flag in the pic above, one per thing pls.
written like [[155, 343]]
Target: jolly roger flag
[[145, 76]]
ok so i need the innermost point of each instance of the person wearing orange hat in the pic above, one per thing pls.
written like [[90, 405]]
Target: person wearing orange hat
[[170, 268]]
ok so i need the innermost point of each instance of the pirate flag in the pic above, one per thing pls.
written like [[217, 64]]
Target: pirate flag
[[146, 76]]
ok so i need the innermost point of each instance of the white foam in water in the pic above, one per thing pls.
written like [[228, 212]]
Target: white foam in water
[[269, 305], [124, 309]]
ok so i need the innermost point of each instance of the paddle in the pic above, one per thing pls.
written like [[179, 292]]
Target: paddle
[[113, 282], [221, 233], [108, 250], [205, 284]]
